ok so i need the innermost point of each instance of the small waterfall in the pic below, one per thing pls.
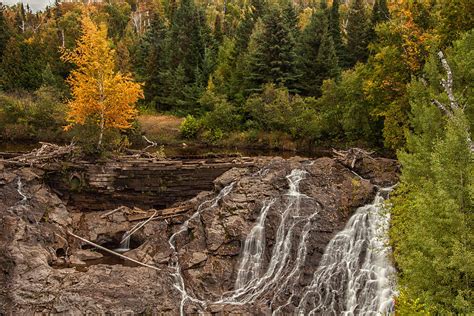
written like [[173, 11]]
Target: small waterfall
[[354, 273], [254, 248], [19, 185], [174, 263], [125, 244]]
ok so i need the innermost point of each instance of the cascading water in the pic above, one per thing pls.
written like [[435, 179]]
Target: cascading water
[[19, 184], [254, 247], [354, 274], [174, 263]]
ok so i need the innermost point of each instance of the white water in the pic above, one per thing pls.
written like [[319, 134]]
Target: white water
[[353, 276], [174, 263], [19, 184]]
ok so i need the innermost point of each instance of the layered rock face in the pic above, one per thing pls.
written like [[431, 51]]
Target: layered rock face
[[249, 246]]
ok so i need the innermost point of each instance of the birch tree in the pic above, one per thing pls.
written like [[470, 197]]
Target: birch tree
[[100, 94]]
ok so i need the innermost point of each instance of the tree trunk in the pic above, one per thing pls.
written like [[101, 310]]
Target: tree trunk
[[101, 135]]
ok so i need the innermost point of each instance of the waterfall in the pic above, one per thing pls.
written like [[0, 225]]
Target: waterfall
[[354, 274], [174, 263], [19, 184], [125, 244], [252, 283], [254, 248]]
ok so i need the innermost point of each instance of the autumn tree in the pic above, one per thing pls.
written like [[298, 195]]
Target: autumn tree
[[100, 94]]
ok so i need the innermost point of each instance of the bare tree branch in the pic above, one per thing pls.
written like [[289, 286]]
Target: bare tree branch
[[448, 82], [441, 107]]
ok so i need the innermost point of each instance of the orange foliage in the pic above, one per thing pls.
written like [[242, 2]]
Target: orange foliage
[[99, 92]]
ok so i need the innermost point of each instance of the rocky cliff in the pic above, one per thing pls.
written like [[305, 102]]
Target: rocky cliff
[[251, 245]]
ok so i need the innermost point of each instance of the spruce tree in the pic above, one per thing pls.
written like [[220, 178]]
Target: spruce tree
[[150, 62], [185, 51], [357, 33], [317, 59], [4, 32], [380, 14], [273, 57], [335, 31]]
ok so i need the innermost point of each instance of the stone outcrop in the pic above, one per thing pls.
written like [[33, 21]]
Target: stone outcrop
[[43, 269], [138, 182]]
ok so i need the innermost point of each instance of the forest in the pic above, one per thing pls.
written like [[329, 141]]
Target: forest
[[396, 77]]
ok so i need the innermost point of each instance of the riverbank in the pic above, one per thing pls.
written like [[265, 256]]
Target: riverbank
[[165, 130]]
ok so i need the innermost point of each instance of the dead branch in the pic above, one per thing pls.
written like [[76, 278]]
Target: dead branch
[[46, 153], [441, 107], [137, 227], [113, 252], [448, 82], [113, 211], [350, 156]]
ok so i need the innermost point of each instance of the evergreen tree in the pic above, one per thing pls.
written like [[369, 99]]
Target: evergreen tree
[[335, 31], [150, 62], [185, 51], [317, 58], [357, 33], [22, 65], [273, 56], [380, 14], [246, 26], [4, 32]]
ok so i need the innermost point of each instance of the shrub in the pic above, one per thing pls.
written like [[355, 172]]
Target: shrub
[[190, 127]]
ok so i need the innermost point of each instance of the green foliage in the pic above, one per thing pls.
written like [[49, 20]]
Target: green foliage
[[335, 31], [190, 127], [30, 116], [317, 56], [26, 74], [432, 221], [275, 109], [271, 53], [358, 32], [223, 116]]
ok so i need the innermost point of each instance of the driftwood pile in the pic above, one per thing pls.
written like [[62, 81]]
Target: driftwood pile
[[47, 153], [351, 156]]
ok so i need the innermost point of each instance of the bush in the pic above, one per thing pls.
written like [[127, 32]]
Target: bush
[[31, 115], [275, 109], [223, 115], [190, 127], [212, 136]]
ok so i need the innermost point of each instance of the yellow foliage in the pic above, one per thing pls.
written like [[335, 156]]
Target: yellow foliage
[[100, 93]]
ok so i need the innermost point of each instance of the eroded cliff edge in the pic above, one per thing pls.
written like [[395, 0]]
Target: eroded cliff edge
[[45, 269]]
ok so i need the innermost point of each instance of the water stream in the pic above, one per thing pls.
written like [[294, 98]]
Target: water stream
[[353, 277]]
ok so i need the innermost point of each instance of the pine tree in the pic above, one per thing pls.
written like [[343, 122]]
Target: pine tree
[[335, 31], [317, 58], [22, 65], [185, 50], [273, 56], [150, 61], [380, 14], [357, 33], [4, 32], [246, 26]]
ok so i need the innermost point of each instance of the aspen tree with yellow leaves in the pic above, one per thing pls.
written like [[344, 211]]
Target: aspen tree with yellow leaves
[[100, 94]]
